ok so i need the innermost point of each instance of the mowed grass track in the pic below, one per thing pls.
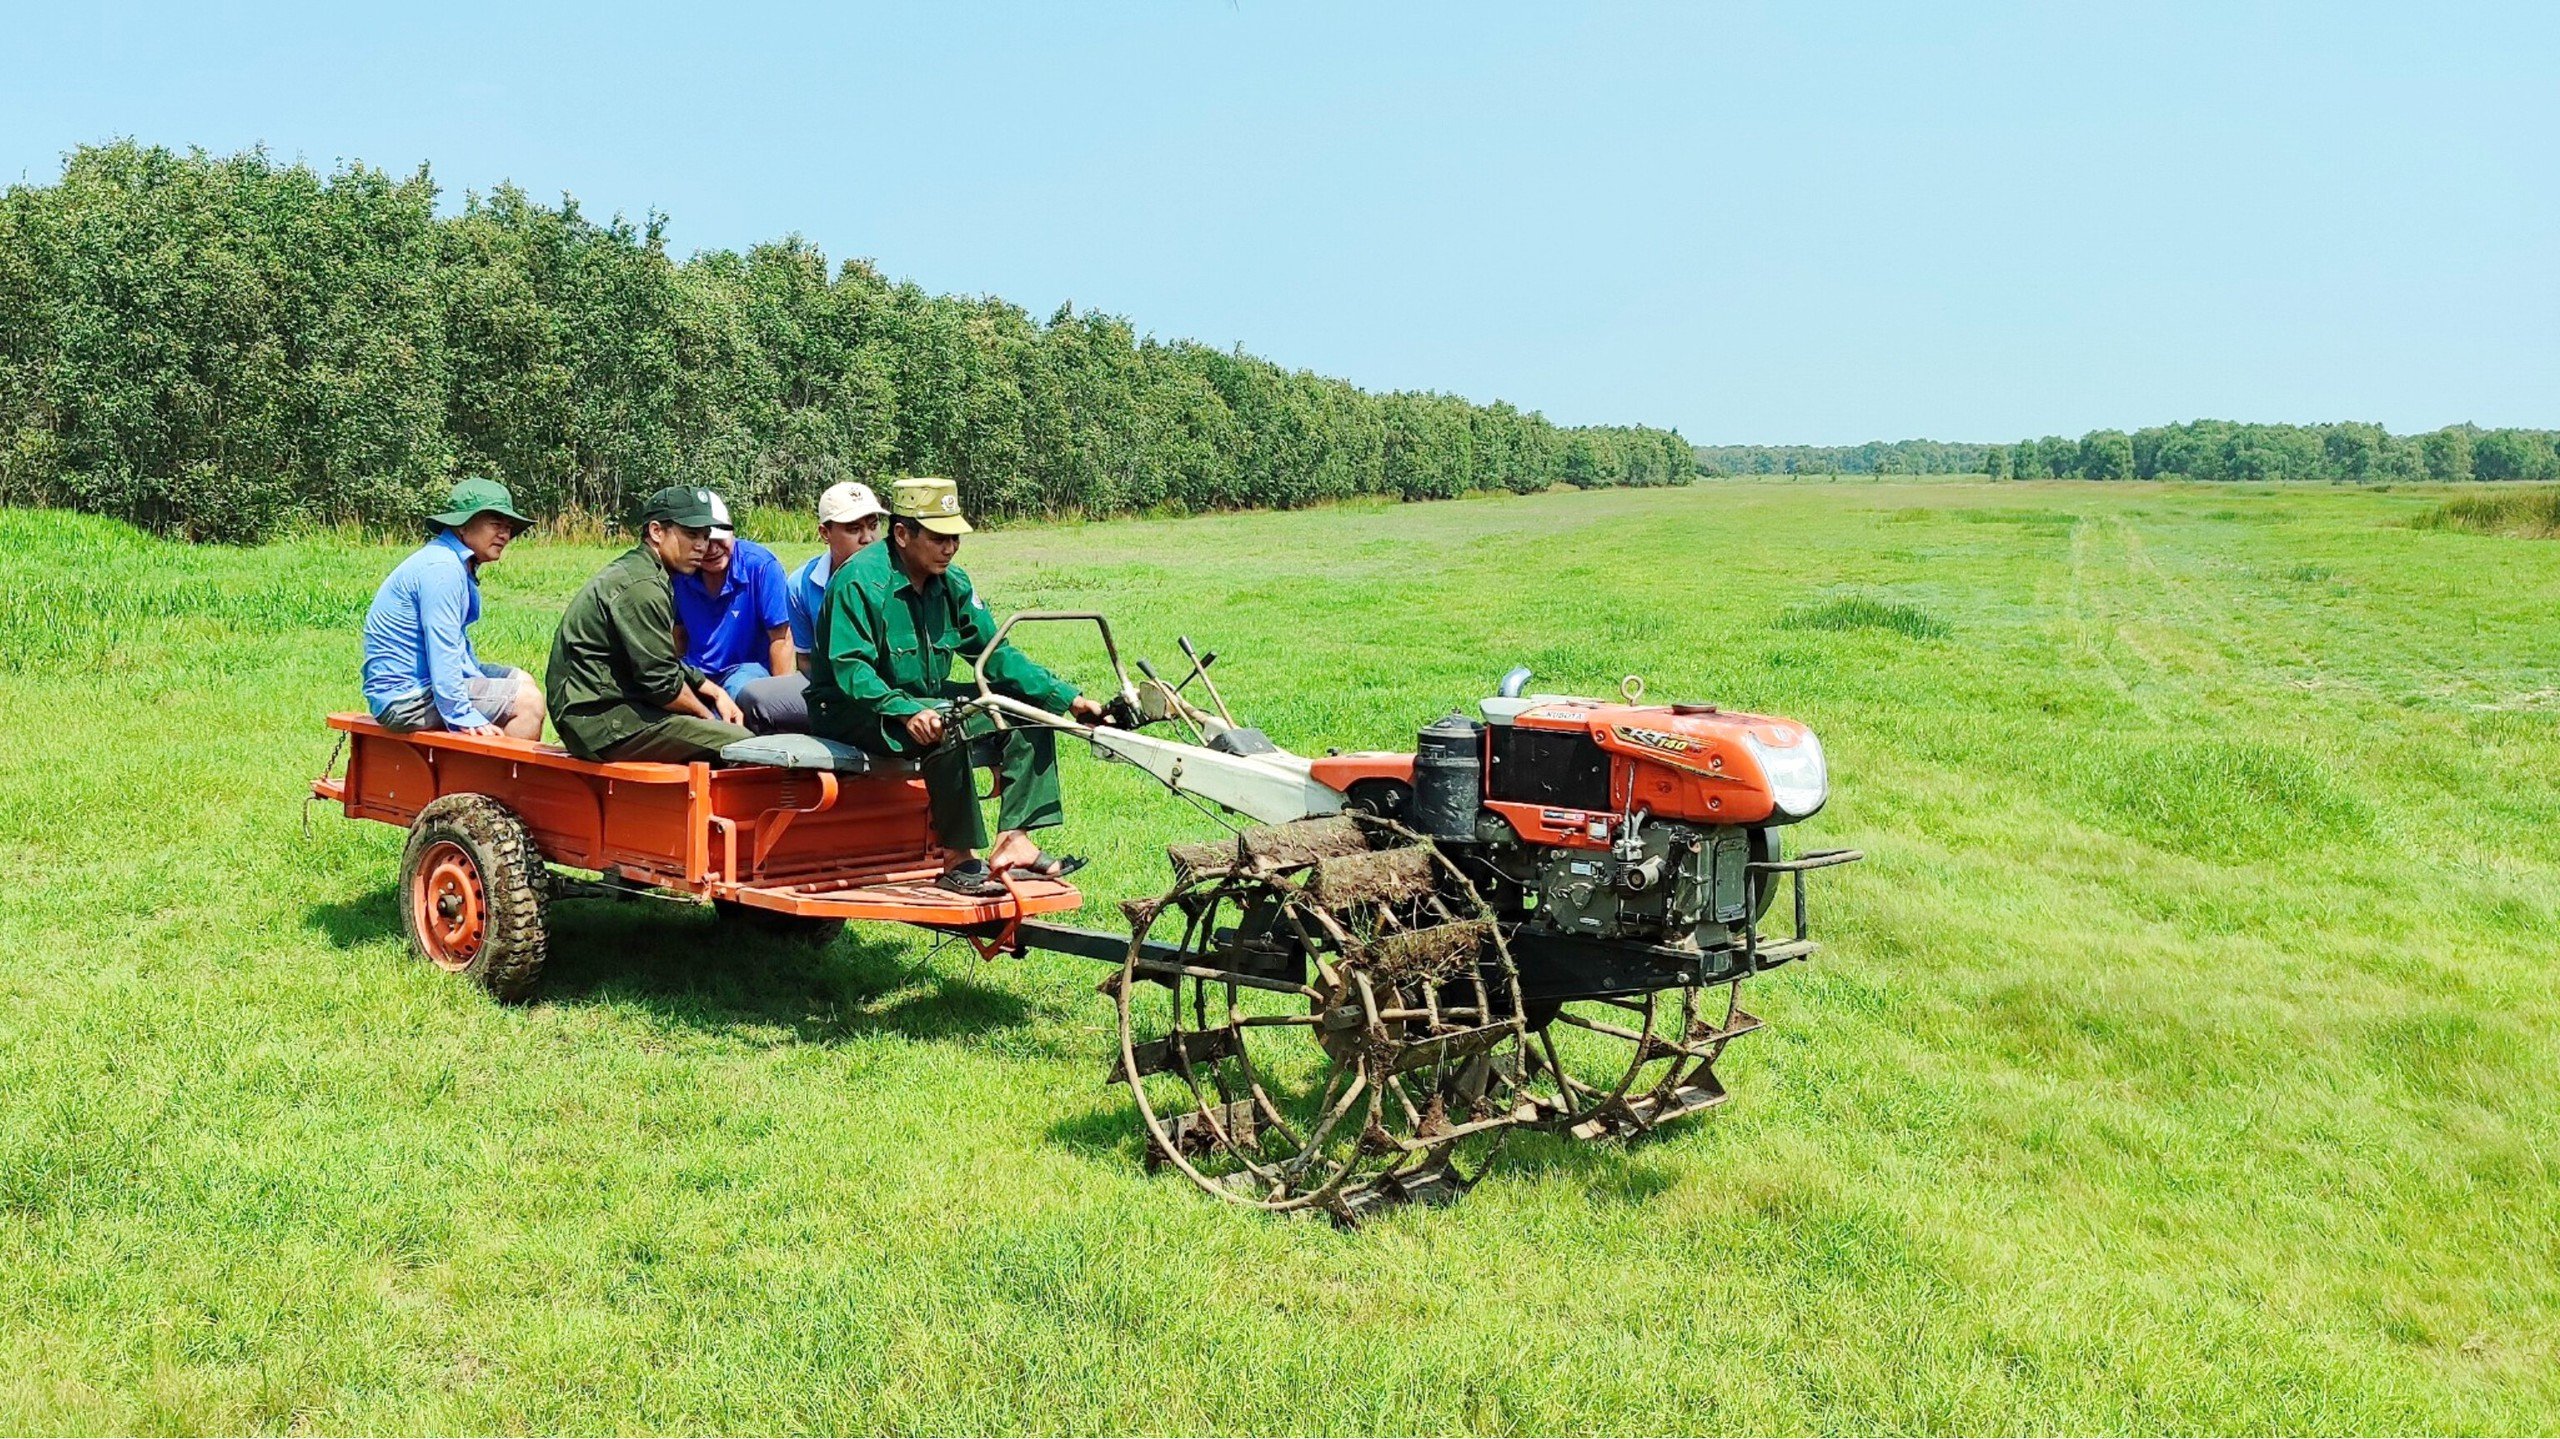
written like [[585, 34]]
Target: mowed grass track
[[2183, 1057]]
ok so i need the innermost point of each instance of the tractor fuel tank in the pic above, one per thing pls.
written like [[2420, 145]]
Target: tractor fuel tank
[[1448, 778]]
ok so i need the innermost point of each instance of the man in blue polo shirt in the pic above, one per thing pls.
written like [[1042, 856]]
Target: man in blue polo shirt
[[733, 619], [849, 517], [419, 668]]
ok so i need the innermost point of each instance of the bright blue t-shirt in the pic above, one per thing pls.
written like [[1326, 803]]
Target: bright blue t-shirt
[[725, 630], [808, 596]]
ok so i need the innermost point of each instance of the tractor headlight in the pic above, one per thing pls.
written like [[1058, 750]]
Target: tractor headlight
[[1799, 781]]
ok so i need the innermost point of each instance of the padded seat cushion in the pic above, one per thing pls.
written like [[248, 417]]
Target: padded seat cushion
[[807, 751]]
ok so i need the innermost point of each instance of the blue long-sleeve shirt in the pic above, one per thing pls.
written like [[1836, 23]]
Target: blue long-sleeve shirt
[[417, 636]]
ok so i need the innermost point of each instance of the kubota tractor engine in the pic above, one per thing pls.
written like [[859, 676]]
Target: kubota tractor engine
[[1617, 821]]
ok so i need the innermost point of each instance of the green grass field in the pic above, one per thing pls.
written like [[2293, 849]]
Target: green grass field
[[2183, 1057]]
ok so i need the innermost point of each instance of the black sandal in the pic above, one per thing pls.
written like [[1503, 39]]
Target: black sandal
[[1053, 867], [970, 878]]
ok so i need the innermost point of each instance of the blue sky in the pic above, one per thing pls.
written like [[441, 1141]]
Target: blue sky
[[1774, 223]]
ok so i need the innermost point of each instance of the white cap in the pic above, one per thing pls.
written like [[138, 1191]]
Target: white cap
[[845, 503], [721, 529]]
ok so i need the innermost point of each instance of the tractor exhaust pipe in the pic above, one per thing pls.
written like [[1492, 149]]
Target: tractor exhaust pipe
[[1514, 682]]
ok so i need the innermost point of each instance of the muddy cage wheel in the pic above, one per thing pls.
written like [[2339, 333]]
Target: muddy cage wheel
[[1333, 1028], [1621, 1066], [471, 894]]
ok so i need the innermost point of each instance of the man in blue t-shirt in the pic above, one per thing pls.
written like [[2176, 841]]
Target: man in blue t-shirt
[[849, 517], [733, 620]]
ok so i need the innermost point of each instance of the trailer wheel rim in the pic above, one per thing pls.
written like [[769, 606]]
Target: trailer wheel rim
[[452, 906]]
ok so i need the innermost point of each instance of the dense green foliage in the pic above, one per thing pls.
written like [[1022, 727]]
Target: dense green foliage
[[2203, 450], [1876, 457], [218, 346], [2180, 1060]]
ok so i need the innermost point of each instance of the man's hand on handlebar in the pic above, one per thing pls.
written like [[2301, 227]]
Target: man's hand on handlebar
[[925, 727], [1090, 711]]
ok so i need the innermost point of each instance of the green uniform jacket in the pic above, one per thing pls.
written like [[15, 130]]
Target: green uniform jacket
[[885, 646], [614, 669]]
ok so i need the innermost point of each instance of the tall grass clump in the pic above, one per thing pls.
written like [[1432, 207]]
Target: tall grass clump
[[1858, 612], [2533, 514], [2215, 800]]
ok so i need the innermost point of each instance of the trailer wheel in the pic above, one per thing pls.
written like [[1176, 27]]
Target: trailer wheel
[[797, 929], [472, 888]]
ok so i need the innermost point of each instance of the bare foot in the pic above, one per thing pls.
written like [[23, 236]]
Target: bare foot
[[1013, 849]]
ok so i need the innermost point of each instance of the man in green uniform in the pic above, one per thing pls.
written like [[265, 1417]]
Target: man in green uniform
[[616, 688], [898, 616]]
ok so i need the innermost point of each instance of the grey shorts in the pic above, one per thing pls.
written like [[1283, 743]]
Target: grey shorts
[[494, 697]]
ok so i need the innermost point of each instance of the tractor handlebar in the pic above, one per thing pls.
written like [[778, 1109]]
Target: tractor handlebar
[[1125, 701]]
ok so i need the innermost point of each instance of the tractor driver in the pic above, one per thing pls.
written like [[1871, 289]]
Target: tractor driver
[[618, 691], [896, 617]]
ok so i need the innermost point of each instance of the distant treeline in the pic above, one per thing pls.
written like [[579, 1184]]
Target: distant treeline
[[2203, 450], [1875, 457], [220, 346]]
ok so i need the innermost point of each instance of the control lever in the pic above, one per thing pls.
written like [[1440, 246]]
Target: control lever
[[1198, 666], [1200, 670]]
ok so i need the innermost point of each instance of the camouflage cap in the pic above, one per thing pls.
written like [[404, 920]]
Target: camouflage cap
[[932, 503]]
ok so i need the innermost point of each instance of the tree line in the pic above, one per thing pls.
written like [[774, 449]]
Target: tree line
[[223, 346], [2225, 450], [2201, 450], [1876, 457]]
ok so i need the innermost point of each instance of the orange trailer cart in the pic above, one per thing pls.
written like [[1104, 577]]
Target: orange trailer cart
[[796, 851]]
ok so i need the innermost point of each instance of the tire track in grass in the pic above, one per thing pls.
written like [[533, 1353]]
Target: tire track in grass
[[2093, 650], [2241, 644]]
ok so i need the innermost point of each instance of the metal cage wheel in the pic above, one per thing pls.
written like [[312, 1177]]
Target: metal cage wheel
[[1295, 1054], [1622, 1065]]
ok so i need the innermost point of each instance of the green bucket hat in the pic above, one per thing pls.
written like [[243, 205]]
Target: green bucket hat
[[478, 496]]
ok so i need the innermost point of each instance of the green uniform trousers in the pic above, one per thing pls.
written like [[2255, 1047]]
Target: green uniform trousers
[[1026, 764], [1025, 760], [676, 739]]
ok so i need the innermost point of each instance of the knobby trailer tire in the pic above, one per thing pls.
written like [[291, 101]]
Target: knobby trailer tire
[[472, 893]]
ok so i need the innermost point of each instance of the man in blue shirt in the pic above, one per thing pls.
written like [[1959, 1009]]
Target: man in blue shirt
[[419, 668], [733, 620], [849, 517]]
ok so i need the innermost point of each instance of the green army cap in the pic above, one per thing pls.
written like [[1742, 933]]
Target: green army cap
[[932, 503], [691, 506], [474, 496]]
